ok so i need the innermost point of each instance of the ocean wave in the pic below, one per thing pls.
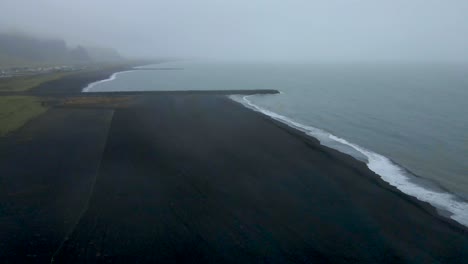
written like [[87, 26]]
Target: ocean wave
[[381, 165], [111, 78]]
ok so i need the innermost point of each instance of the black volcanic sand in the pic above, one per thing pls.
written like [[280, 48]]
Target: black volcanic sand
[[199, 178], [47, 171], [202, 179], [74, 83]]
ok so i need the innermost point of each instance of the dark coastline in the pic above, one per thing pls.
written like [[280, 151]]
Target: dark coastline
[[195, 177], [76, 82]]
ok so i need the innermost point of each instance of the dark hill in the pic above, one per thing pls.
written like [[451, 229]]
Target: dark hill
[[24, 50]]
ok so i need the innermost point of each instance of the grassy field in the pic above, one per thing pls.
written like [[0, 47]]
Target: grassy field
[[24, 83], [15, 111]]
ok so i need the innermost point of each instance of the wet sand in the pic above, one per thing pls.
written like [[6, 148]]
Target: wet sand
[[199, 178]]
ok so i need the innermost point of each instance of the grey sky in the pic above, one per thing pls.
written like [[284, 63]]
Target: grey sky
[[328, 30]]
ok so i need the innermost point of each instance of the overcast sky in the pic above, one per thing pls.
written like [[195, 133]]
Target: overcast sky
[[328, 30]]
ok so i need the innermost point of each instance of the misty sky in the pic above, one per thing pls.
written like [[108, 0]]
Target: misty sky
[[305, 30]]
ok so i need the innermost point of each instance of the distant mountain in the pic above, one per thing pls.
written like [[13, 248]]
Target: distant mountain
[[103, 54], [22, 50], [79, 54]]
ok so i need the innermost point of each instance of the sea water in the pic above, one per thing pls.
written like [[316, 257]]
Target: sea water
[[407, 122]]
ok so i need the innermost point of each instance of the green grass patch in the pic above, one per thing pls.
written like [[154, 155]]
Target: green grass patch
[[24, 83], [15, 111]]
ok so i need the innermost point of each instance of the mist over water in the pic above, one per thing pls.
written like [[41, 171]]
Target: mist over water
[[264, 30]]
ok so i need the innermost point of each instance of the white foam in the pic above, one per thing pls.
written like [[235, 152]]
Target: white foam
[[111, 78], [381, 165]]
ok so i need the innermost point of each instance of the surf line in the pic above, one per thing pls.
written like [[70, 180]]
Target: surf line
[[111, 78], [381, 165]]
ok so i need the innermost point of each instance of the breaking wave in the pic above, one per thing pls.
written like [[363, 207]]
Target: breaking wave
[[390, 172], [111, 78]]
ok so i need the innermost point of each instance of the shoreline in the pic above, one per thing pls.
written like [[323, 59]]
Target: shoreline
[[440, 212], [204, 176], [113, 72], [112, 77], [76, 82], [446, 203], [346, 158]]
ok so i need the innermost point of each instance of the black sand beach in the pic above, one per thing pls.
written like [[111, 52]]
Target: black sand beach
[[76, 82], [187, 177]]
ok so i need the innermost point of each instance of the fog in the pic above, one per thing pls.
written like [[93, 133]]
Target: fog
[[290, 30]]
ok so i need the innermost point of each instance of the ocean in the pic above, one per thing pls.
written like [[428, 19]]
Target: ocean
[[407, 122]]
